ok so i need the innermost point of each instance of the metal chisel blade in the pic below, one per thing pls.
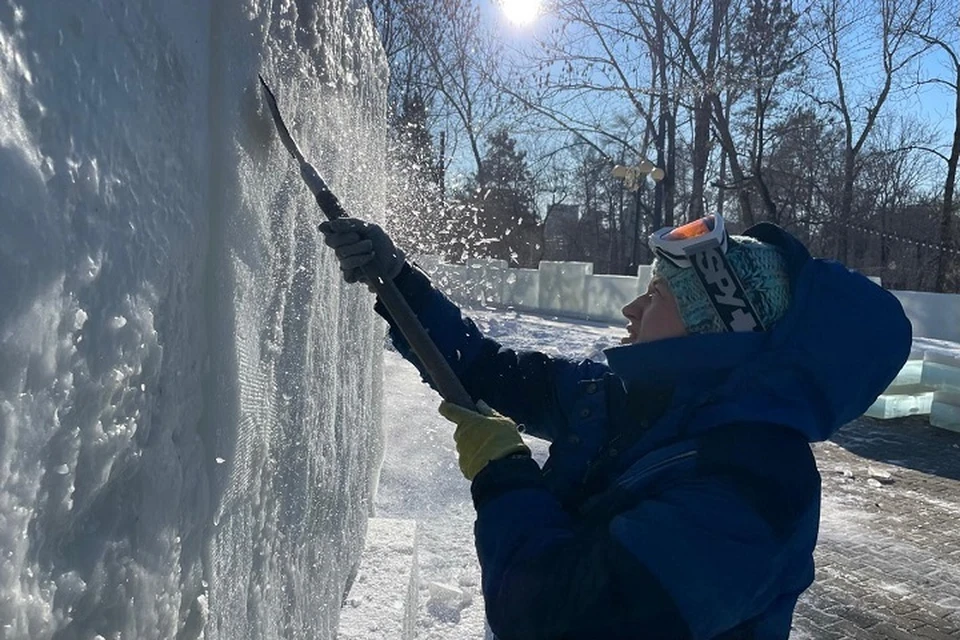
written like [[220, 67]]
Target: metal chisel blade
[[285, 136]]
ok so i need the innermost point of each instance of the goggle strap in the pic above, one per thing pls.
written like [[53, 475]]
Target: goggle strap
[[724, 288]]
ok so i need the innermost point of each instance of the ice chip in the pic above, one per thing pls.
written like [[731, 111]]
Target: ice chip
[[445, 602], [880, 475]]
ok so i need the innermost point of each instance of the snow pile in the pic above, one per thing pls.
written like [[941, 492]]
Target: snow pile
[[382, 602], [189, 399]]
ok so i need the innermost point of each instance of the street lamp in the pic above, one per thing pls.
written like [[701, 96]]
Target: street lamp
[[633, 180]]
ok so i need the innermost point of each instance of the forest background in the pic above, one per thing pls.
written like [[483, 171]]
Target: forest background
[[836, 119]]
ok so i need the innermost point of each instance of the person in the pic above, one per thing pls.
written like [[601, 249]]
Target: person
[[681, 496]]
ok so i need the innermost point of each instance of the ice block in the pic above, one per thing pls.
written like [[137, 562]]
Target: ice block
[[945, 410], [889, 406]]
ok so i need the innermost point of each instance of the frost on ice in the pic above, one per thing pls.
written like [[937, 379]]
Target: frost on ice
[[189, 398]]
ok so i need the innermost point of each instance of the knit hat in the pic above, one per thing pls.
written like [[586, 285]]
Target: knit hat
[[761, 270]]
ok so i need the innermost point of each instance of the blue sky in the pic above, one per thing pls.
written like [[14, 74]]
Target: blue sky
[[932, 104]]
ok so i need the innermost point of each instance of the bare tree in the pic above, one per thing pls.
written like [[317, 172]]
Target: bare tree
[[596, 71], [405, 58], [839, 30], [895, 202], [701, 79], [767, 59], [791, 111], [459, 52], [704, 103], [441, 52], [946, 43], [801, 169]]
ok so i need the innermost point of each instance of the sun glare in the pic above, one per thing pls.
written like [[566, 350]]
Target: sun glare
[[521, 12]]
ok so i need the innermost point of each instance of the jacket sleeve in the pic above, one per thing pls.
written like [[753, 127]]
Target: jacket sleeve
[[691, 561], [528, 386]]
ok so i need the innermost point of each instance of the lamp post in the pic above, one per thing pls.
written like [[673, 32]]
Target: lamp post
[[633, 179]]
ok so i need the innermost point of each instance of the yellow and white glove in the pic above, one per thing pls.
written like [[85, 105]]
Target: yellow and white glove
[[482, 437]]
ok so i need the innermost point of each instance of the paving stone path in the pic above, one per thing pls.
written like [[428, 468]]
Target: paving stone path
[[888, 561]]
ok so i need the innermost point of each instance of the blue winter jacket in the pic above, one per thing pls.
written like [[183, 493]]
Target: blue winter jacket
[[681, 497]]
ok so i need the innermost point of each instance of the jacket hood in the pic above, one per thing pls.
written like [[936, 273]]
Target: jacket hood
[[840, 344]]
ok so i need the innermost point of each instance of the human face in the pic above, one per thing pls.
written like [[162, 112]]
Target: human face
[[654, 315]]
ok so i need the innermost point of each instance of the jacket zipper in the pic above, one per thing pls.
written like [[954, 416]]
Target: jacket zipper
[[610, 503], [659, 465]]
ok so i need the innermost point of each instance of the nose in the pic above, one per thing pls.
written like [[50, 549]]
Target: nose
[[634, 309]]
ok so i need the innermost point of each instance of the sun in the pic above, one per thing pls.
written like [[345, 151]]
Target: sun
[[521, 12]]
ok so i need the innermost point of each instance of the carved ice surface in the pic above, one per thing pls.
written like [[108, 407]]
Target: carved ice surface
[[189, 396]]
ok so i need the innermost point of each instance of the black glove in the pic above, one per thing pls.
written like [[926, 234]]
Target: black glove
[[357, 244]]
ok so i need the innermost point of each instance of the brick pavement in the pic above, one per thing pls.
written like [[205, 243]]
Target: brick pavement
[[888, 561]]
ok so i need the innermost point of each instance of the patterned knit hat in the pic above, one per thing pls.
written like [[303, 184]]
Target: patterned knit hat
[[762, 272]]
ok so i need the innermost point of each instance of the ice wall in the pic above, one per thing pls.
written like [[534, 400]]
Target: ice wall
[[189, 398]]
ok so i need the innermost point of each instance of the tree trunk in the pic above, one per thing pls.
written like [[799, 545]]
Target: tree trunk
[[722, 126], [846, 204], [701, 155], [663, 199], [946, 214], [723, 180], [758, 154], [669, 180], [701, 122]]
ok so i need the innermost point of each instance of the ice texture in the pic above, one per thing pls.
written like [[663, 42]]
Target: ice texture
[[189, 396], [937, 375], [945, 410], [909, 376], [899, 405]]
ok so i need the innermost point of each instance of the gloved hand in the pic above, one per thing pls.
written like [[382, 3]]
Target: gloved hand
[[482, 437], [358, 243]]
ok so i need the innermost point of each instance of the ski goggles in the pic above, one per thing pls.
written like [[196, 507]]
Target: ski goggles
[[702, 246]]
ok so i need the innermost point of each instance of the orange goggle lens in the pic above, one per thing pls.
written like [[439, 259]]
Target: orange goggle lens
[[693, 229]]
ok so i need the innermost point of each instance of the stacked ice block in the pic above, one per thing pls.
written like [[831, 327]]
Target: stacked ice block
[[941, 372], [928, 384], [906, 395]]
